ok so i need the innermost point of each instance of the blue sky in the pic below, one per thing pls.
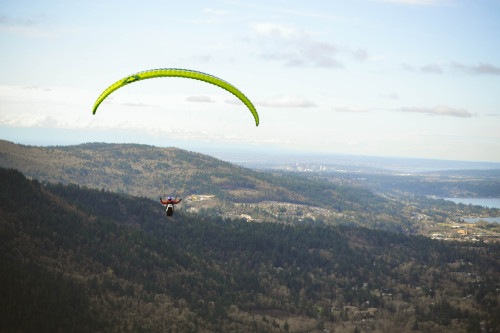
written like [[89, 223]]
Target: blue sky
[[409, 78]]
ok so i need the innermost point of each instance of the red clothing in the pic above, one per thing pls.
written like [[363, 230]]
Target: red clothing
[[170, 202]]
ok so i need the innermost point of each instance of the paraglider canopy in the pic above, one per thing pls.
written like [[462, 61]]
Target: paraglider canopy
[[175, 72]]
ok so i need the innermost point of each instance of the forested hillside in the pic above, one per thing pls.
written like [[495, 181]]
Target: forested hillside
[[77, 259], [150, 171], [215, 187]]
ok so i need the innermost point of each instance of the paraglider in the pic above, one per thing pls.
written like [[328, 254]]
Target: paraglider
[[184, 73], [169, 205]]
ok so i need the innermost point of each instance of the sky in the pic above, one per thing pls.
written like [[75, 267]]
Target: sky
[[405, 78]]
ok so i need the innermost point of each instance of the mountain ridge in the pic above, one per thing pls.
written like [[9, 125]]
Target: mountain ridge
[[149, 171], [217, 187]]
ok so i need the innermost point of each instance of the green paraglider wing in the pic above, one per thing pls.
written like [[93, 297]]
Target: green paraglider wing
[[186, 73]]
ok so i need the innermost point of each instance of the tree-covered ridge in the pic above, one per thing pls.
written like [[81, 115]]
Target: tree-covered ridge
[[149, 171], [220, 188], [123, 266]]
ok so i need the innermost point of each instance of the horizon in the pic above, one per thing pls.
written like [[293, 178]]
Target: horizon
[[395, 78], [255, 157]]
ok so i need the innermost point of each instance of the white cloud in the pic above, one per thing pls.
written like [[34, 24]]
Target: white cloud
[[203, 58], [360, 54], [287, 101], [297, 47], [352, 109], [439, 111], [390, 95], [277, 30], [27, 31], [25, 27], [200, 99], [482, 68], [132, 104], [37, 88], [432, 68], [233, 101]]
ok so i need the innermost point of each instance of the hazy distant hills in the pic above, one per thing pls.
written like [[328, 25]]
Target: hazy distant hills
[[81, 260], [272, 159]]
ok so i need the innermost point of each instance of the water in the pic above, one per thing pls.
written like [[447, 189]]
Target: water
[[487, 219], [485, 202]]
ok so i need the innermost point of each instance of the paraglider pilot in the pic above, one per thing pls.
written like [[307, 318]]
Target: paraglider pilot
[[170, 205]]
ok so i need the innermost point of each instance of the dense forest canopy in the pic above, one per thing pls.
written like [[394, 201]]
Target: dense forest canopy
[[81, 259]]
